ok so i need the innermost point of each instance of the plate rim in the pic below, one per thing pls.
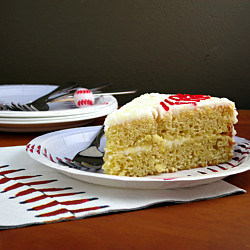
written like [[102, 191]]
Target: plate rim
[[151, 179]]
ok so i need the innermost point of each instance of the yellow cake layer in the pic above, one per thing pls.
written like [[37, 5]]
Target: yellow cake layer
[[196, 122], [187, 123], [162, 155]]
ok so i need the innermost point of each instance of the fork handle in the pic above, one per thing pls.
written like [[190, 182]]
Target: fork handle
[[64, 86], [118, 92], [72, 90]]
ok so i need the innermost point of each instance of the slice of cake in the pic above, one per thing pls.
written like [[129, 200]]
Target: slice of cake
[[159, 133]]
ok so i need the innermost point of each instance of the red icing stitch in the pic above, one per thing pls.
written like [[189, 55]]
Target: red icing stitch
[[164, 106], [180, 99]]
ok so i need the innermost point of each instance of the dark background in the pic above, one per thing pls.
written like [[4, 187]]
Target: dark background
[[166, 46]]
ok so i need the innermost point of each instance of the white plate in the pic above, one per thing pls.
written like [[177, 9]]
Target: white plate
[[78, 117], [61, 116], [23, 92], [62, 144]]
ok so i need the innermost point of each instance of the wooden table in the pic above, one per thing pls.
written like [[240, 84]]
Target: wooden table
[[213, 224]]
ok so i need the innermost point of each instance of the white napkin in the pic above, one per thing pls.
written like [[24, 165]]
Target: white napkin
[[32, 193]]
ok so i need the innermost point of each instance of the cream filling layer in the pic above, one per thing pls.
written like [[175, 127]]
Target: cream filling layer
[[166, 143], [146, 148]]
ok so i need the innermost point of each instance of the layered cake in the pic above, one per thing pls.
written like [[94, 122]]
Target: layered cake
[[159, 133]]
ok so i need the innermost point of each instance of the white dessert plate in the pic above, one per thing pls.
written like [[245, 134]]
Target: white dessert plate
[[60, 116], [47, 148]]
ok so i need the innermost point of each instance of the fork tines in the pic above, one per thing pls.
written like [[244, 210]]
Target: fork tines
[[79, 166]]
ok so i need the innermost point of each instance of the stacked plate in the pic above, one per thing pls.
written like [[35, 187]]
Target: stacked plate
[[61, 115]]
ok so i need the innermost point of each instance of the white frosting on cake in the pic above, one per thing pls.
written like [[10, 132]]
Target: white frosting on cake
[[149, 105]]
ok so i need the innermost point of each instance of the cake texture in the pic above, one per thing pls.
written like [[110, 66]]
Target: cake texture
[[159, 133]]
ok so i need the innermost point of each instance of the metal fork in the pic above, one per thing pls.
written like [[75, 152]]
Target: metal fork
[[97, 95], [89, 159], [40, 104]]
